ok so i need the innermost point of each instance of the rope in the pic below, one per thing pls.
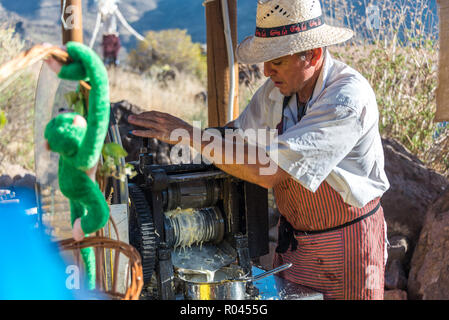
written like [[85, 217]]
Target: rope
[[122, 19], [62, 14], [127, 26], [94, 34]]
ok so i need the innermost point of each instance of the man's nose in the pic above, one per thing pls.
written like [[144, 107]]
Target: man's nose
[[267, 70]]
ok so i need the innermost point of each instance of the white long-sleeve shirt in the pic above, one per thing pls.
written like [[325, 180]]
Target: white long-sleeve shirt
[[337, 140]]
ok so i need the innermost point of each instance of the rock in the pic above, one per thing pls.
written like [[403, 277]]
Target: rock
[[17, 176], [14, 170], [5, 181], [413, 188], [429, 274], [162, 158], [153, 144], [395, 276], [121, 110], [398, 248], [28, 181], [201, 97], [161, 150], [395, 295]]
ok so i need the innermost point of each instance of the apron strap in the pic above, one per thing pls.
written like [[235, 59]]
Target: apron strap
[[286, 232]]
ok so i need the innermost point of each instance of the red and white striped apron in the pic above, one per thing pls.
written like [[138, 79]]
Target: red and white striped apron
[[346, 263]]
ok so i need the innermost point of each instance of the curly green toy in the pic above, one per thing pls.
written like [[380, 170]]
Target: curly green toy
[[79, 145]]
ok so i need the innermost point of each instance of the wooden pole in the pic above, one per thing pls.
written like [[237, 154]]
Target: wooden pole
[[442, 92], [218, 73], [73, 18], [72, 30]]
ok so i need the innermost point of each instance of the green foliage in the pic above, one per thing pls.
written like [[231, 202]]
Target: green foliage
[[173, 47], [75, 101], [112, 167], [2, 119]]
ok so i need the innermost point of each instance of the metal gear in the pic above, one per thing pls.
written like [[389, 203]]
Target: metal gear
[[142, 234]]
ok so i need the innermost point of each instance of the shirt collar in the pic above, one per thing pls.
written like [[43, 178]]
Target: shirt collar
[[324, 74]]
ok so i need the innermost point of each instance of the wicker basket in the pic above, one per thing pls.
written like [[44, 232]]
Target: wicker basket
[[134, 274]]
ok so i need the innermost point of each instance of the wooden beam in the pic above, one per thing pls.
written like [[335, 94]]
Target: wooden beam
[[442, 93], [218, 73], [73, 30]]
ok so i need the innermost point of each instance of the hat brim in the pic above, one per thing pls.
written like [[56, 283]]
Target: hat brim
[[256, 50]]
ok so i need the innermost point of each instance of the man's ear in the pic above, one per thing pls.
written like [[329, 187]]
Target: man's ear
[[317, 54]]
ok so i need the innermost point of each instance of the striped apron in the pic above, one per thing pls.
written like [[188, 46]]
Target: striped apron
[[340, 248], [343, 262]]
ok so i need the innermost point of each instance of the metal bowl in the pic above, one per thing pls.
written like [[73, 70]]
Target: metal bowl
[[224, 284], [227, 283]]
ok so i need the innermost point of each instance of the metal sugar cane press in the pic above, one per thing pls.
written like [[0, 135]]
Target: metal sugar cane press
[[197, 230]]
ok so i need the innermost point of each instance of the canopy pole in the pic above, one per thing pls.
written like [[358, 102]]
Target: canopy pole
[[442, 92], [218, 70], [72, 30], [72, 21]]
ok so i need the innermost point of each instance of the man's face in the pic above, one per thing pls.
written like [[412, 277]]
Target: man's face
[[289, 73]]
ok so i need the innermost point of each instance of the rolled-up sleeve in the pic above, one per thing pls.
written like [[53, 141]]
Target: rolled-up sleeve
[[311, 149]]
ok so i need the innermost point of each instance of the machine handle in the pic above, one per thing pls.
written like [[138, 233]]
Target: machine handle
[[269, 273]]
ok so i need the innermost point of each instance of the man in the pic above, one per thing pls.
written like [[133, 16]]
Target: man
[[328, 154]]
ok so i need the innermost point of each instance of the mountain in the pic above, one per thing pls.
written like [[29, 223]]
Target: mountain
[[191, 15], [39, 20]]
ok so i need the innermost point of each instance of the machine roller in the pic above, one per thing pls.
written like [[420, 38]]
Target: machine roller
[[193, 217]]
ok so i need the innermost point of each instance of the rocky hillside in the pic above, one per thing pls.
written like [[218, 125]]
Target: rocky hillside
[[36, 19], [39, 20]]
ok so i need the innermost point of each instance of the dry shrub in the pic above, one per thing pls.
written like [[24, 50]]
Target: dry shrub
[[399, 57], [176, 97], [172, 47], [16, 101]]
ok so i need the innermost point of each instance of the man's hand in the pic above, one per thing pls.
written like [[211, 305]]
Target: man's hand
[[158, 125], [77, 231]]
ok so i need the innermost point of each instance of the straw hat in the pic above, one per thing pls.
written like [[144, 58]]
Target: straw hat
[[286, 27]]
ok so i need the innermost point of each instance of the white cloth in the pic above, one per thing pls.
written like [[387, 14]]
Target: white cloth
[[337, 140], [110, 24]]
